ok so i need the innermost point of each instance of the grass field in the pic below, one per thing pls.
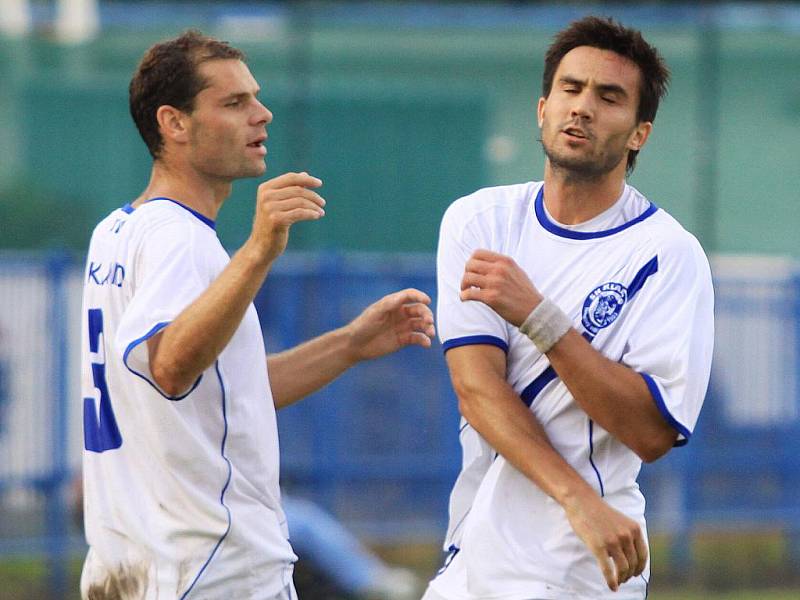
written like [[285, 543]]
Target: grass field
[[26, 578], [741, 595]]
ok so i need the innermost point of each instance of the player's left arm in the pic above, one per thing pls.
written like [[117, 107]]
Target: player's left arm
[[614, 395], [393, 322]]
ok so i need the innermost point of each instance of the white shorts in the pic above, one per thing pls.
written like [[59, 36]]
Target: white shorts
[[450, 583]]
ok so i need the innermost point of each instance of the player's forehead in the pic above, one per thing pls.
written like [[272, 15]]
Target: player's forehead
[[598, 67], [225, 77]]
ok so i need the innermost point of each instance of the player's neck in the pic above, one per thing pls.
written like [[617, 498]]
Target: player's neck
[[571, 201], [181, 185]]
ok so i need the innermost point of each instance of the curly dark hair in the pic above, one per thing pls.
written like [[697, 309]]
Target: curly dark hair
[[607, 34], [168, 75]]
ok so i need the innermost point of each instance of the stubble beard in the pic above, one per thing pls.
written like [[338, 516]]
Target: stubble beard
[[583, 168], [229, 171], [225, 162]]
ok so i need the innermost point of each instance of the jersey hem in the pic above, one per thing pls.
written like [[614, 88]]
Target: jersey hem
[[156, 328]]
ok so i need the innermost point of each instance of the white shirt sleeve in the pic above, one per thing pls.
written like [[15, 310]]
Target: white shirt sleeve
[[462, 323], [672, 335], [168, 276]]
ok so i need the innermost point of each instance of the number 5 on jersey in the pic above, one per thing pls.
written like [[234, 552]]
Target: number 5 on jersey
[[100, 431]]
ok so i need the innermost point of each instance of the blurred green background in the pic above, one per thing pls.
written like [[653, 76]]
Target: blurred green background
[[401, 108], [399, 120]]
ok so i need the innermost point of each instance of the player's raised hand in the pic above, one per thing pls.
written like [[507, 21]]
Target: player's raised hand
[[281, 202], [615, 540], [497, 281], [397, 320]]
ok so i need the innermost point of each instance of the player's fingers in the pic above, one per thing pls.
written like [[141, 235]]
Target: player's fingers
[[290, 217], [287, 179], [407, 296], [476, 265], [622, 565], [294, 191], [415, 338], [417, 310], [283, 207], [471, 293], [641, 552], [473, 280], [632, 558], [609, 570], [486, 255], [421, 325]]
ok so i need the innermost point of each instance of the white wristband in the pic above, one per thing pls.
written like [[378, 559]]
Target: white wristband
[[546, 325]]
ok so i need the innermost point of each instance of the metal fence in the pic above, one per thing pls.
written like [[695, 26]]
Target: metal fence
[[379, 447]]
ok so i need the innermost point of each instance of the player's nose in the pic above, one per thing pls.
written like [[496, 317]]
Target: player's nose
[[582, 106], [263, 115]]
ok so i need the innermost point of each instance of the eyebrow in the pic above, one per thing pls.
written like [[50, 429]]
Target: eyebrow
[[240, 95], [603, 88]]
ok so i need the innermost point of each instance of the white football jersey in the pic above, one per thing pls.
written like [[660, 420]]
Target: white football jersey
[[181, 493], [638, 287]]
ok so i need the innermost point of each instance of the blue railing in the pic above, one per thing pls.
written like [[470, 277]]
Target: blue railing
[[379, 447]]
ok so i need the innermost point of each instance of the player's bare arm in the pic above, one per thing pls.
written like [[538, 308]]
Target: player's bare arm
[[613, 395], [194, 340], [496, 411], [393, 322]]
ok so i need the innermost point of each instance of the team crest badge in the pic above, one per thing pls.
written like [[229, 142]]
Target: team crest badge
[[602, 306]]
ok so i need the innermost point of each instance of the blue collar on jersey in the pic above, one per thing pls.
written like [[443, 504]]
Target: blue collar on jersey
[[541, 215], [129, 209]]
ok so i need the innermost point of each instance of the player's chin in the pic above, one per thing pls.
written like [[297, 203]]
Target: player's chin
[[254, 169]]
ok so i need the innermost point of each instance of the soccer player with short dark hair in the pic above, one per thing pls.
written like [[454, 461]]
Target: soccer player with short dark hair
[[577, 320], [181, 445]]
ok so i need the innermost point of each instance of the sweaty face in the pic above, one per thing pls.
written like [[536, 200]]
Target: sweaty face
[[588, 121], [228, 126]]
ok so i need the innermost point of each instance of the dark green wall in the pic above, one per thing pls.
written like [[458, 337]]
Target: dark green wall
[[399, 122]]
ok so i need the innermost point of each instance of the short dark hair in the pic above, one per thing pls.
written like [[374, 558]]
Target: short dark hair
[[607, 34], [168, 74]]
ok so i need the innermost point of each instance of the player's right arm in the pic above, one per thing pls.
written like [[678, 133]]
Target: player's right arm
[[496, 411], [191, 343]]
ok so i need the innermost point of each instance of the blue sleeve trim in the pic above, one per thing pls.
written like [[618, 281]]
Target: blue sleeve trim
[[224, 487], [158, 327], [472, 340], [662, 408], [533, 389]]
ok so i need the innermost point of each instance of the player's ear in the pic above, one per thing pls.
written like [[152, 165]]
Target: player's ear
[[540, 111], [172, 123], [640, 135]]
